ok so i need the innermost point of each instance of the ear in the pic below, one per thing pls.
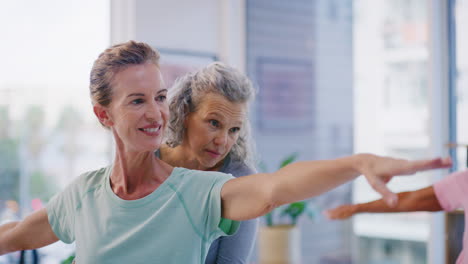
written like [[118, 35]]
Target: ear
[[185, 121], [101, 113]]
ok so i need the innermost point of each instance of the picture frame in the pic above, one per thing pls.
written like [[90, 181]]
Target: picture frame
[[175, 63], [287, 94]]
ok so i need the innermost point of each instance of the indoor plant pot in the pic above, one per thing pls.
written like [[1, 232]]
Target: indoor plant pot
[[279, 244]]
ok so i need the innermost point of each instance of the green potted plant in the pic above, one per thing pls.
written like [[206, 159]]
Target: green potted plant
[[279, 240], [69, 260]]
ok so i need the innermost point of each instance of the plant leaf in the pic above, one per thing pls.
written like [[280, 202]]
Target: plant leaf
[[288, 159], [294, 210], [269, 219]]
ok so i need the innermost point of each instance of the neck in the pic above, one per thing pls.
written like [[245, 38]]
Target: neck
[[137, 174], [181, 157]]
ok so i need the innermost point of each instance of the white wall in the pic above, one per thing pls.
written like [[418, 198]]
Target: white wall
[[179, 24], [206, 26]]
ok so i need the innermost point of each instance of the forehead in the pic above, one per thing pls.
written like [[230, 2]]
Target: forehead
[[215, 104], [136, 77]]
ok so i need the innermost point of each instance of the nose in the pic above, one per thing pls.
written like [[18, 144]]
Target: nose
[[221, 138], [153, 112]]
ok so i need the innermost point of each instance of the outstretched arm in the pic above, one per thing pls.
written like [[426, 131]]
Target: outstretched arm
[[33, 232], [254, 195], [420, 200]]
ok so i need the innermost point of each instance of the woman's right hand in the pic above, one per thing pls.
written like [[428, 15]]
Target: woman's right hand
[[380, 170]]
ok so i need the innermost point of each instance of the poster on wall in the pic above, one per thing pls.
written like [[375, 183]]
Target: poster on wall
[[175, 63], [286, 95]]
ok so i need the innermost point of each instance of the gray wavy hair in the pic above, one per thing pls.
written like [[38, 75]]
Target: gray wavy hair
[[188, 91]]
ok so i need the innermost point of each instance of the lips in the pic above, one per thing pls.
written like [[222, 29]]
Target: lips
[[213, 153], [151, 130]]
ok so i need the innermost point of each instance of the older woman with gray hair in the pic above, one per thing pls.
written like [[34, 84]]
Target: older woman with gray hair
[[209, 130]]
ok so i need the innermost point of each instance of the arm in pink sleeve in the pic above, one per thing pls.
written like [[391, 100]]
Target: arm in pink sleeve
[[450, 190]]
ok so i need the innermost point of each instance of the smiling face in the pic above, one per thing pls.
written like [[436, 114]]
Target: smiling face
[[212, 130], [138, 112]]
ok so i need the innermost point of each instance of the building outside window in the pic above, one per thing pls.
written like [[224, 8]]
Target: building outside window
[[391, 118]]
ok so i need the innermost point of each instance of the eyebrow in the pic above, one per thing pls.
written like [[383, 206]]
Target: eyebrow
[[135, 94], [141, 94], [216, 115]]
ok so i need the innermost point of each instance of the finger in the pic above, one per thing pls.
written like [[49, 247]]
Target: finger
[[391, 200], [328, 214], [388, 196], [412, 167], [432, 163], [331, 214]]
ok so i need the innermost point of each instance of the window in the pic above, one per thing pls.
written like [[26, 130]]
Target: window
[[48, 134], [461, 21], [392, 114]]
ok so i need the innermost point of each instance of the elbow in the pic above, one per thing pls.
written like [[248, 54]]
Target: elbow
[[269, 198], [6, 247], [7, 242], [268, 207]]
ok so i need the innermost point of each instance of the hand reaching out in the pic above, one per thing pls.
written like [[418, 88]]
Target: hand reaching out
[[341, 212], [380, 170]]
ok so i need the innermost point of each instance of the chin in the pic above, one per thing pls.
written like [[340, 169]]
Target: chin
[[152, 146], [211, 164]]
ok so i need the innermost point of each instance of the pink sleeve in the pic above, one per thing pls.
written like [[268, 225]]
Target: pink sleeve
[[449, 191]]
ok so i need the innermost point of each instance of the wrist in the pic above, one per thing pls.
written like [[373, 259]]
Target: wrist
[[359, 208], [361, 162]]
